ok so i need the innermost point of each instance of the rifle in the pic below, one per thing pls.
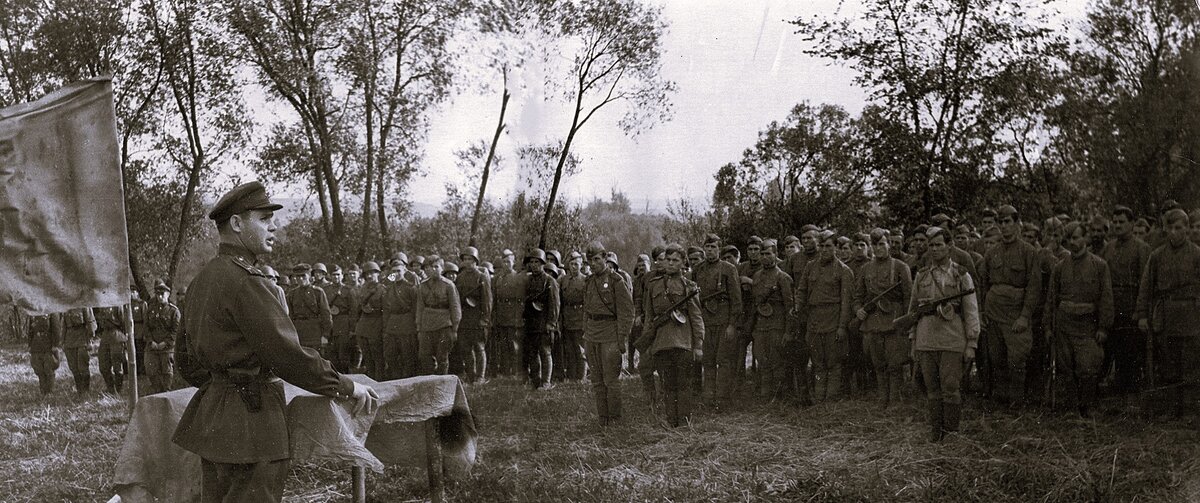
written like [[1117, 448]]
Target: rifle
[[650, 332], [855, 323], [910, 320]]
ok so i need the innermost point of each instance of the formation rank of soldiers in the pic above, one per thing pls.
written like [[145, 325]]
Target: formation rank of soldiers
[[1004, 314]]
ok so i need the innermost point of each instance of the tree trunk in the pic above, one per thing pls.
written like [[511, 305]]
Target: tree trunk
[[185, 214], [487, 164], [369, 103], [384, 232], [562, 160]]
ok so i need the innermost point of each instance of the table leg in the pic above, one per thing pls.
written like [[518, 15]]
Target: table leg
[[358, 482], [433, 455]]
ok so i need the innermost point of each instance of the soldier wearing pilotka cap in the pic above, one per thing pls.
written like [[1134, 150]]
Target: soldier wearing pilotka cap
[[239, 344], [608, 319], [721, 305]]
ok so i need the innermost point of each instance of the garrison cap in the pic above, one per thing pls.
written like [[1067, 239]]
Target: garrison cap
[[557, 256], [245, 197], [826, 235], [1123, 210], [657, 250], [843, 240], [987, 212], [535, 254], [469, 251], [488, 267], [574, 255], [879, 234], [942, 220], [711, 238], [432, 260], [935, 231], [862, 237], [728, 249], [1142, 222], [401, 256], [1070, 229], [161, 286], [695, 249], [283, 280], [353, 268], [921, 230], [319, 267], [595, 249], [645, 258], [674, 248], [755, 240], [809, 228], [301, 268], [790, 239], [507, 253], [612, 257], [1052, 223], [370, 266], [770, 243], [1030, 227], [1170, 204], [450, 267], [335, 269], [1007, 211], [1175, 214]]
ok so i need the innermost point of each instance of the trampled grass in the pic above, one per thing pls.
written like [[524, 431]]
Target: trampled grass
[[546, 446]]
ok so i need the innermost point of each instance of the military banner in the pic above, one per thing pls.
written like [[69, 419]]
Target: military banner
[[62, 214]]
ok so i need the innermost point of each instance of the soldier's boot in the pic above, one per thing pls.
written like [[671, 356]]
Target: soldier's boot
[[709, 387], [119, 382], [885, 391], [936, 421], [895, 386], [651, 393], [1087, 394], [835, 389], [820, 385], [1017, 389], [722, 386], [804, 388], [602, 407], [952, 413], [46, 383]]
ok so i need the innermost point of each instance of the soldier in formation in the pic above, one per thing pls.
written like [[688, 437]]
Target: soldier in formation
[[162, 327]]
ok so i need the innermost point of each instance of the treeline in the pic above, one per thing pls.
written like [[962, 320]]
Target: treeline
[[354, 83], [976, 103]]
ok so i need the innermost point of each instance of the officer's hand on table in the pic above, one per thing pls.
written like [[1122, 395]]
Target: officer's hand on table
[[968, 355], [1101, 336], [1144, 325], [365, 399], [1020, 325]]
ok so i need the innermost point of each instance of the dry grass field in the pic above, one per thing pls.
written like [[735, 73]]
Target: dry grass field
[[545, 446]]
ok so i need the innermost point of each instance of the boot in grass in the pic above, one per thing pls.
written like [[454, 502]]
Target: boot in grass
[[952, 413], [885, 391], [936, 421]]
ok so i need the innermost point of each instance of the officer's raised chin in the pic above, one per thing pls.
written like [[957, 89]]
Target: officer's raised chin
[[253, 230]]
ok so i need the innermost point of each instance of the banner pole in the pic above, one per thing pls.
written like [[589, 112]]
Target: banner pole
[[131, 350]]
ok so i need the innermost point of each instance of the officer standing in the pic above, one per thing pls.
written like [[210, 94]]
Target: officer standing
[[44, 332], [309, 309], [79, 327], [138, 306], [508, 319], [112, 355], [368, 326], [162, 325], [438, 316], [1168, 295], [1126, 256], [824, 295], [573, 285], [541, 321], [1010, 282], [240, 343], [475, 295], [881, 292], [1079, 312], [341, 337], [720, 302], [609, 312], [944, 342], [678, 342], [772, 294], [400, 341]]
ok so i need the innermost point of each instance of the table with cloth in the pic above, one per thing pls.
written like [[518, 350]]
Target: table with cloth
[[152, 468]]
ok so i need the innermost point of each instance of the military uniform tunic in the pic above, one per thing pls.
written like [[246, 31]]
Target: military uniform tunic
[[44, 333], [1010, 285], [607, 311], [675, 342], [309, 308], [368, 326], [341, 305], [1078, 304], [1126, 345], [824, 294], [238, 338], [772, 297], [400, 342], [721, 306], [79, 327], [1169, 298], [438, 316]]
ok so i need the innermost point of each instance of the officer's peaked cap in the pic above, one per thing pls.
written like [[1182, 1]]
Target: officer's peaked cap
[[301, 269], [245, 197]]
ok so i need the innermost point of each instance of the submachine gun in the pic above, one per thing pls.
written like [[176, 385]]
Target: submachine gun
[[924, 309]]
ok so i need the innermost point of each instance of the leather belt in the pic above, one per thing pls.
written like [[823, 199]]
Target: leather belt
[[601, 317]]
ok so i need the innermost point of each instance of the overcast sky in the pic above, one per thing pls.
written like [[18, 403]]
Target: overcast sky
[[738, 66]]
